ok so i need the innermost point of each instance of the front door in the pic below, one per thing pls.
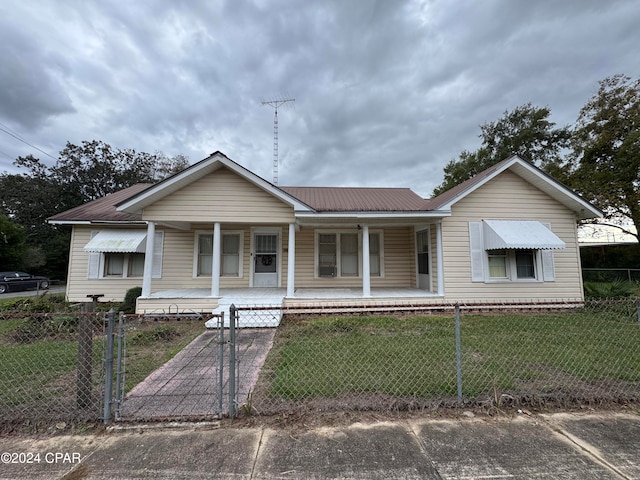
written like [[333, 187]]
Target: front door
[[265, 259], [422, 250]]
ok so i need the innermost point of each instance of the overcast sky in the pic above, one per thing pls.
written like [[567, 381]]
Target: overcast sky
[[386, 92]]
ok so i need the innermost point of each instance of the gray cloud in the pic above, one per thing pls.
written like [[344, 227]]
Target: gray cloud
[[386, 92]]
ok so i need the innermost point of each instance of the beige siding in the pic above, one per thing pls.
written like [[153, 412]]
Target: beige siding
[[509, 197], [222, 196], [399, 261], [79, 285]]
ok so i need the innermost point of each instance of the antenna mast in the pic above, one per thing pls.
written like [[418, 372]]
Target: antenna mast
[[276, 104]]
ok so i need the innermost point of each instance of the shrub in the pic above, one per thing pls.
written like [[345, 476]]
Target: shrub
[[129, 304], [609, 290]]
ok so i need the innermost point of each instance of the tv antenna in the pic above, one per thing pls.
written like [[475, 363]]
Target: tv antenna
[[276, 104]]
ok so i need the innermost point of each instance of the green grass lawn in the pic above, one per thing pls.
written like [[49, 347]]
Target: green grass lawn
[[416, 356], [38, 356]]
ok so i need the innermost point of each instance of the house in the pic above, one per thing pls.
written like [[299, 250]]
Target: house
[[216, 232]]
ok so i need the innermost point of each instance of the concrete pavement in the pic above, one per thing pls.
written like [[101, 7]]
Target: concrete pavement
[[566, 445]]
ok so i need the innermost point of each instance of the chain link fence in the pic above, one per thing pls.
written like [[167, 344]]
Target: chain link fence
[[533, 356], [70, 367], [52, 368]]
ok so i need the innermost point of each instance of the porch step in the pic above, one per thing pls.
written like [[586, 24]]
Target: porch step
[[252, 312]]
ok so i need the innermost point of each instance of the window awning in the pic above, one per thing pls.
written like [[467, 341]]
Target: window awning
[[519, 234], [118, 241]]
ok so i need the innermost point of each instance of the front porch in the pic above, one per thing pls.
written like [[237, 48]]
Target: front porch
[[305, 300]]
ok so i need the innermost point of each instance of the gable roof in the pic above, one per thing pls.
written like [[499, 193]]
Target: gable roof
[[526, 171], [126, 205], [102, 210], [215, 161]]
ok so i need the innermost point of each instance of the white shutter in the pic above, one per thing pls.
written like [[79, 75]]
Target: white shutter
[[93, 267], [157, 255], [548, 268], [476, 251]]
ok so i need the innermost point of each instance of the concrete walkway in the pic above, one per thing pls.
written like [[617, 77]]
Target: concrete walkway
[[560, 446], [188, 386]]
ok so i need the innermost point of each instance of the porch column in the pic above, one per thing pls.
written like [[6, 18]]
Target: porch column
[[366, 267], [439, 258], [291, 261], [215, 262], [148, 260]]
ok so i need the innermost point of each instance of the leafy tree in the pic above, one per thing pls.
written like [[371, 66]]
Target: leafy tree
[[82, 173], [525, 131], [606, 150], [12, 244]]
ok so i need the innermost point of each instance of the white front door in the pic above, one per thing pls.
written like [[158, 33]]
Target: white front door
[[265, 259], [422, 250]]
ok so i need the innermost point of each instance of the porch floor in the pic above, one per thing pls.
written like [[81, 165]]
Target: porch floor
[[276, 295]]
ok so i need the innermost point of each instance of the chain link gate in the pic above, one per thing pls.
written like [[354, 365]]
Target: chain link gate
[[146, 385]]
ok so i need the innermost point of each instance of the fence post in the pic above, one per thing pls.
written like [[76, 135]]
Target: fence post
[[458, 354], [232, 360], [85, 359], [220, 361], [638, 308], [108, 370], [119, 365]]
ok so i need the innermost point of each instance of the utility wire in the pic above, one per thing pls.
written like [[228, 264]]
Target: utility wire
[[8, 131]]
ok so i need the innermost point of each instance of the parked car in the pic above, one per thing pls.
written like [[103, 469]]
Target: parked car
[[14, 281]]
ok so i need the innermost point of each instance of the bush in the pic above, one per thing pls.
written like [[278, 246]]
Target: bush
[[44, 327], [609, 290], [129, 304]]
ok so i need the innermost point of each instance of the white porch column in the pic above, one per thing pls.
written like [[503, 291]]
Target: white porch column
[[291, 261], [366, 267], [215, 262], [439, 258], [148, 259]]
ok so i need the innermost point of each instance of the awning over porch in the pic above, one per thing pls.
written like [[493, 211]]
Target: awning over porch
[[519, 234], [117, 241]]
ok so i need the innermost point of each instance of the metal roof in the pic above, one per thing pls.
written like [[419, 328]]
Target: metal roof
[[363, 199]]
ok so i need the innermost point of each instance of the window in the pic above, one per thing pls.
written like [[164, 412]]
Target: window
[[136, 265], [230, 265], [527, 254], [103, 263], [339, 254], [374, 255], [327, 255], [230, 253], [512, 264], [349, 254], [205, 254], [113, 264], [525, 264], [497, 263], [117, 264]]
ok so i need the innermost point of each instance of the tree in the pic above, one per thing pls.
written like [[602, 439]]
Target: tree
[[606, 150], [12, 244], [525, 131], [82, 173]]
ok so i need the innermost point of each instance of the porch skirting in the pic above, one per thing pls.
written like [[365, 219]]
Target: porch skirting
[[306, 300]]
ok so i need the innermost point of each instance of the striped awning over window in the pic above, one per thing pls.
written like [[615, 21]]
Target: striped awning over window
[[118, 241], [519, 234]]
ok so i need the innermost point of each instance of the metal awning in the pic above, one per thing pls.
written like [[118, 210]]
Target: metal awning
[[118, 241], [522, 234]]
